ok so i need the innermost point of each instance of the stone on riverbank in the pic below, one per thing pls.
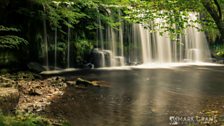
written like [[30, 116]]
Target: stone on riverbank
[[37, 94], [6, 82]]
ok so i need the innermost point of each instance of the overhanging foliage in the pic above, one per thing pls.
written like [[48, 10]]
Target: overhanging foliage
[[12, 42]]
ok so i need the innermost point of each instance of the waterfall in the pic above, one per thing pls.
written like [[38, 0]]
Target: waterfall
[[146, 44], [113, 46], [68, 48], [145, 47], [190, 47], [101, 35], [163, 48], [111, 50], [102, 57], [121, 43], [55, 47], [135, 40], [55, 40], [197, 49], [45, 44], [100, 43]]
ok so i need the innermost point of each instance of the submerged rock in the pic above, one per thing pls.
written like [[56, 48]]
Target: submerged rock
[[71, 83], [82, 82]]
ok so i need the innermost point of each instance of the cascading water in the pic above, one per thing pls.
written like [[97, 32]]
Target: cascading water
[[113, 44], [68, 39], [110, 52], [100, 44], [146, 46], [55, 40], [197, 49], [143, 47], [55, 47], [68, 48], [191, 47], [121, 43], [45, 43], [134, 53]]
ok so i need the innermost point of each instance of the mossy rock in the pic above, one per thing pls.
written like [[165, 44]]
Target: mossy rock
[[23, 120]]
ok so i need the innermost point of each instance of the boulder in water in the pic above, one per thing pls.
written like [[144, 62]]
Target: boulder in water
[[36, 67], [86, 83], [89, 66]]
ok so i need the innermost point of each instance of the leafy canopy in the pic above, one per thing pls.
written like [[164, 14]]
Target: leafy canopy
[[174, 15]]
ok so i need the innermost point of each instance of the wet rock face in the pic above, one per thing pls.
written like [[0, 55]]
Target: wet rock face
[[106, 58], [9, 98], [101, 58], [97, 56], [36, 67]]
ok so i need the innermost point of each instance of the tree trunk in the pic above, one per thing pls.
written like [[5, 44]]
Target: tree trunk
[[220, 26]]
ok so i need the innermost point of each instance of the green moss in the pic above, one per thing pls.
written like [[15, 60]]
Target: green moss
[[23, 120], [219, 50], [26, 120]]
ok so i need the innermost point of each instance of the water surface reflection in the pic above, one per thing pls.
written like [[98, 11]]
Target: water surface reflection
[[141, 97]]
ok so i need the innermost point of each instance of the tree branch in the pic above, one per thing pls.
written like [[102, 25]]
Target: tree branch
[[219, 9], [211, 10]]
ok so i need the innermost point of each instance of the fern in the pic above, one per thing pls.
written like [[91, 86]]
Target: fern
[[5, 29], [12, 42]]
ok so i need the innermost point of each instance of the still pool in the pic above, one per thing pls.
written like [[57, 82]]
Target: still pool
[[142, 97]]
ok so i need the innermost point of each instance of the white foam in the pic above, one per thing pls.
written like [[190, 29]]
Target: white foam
[[172, 65], [59, 71], [115, 68]]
